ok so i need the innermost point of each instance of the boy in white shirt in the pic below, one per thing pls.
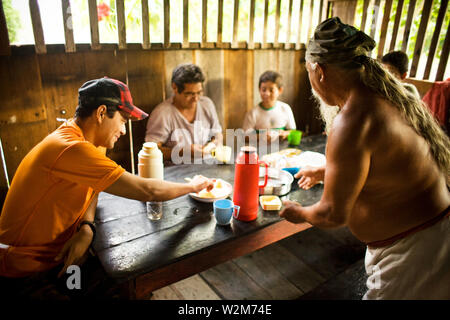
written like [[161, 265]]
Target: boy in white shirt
[[271, 116]]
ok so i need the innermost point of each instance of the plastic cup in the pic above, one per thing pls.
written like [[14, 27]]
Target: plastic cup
[[223, 211], [294, 137]]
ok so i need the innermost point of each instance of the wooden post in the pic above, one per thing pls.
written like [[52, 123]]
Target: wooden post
[[68, 26], [93, 22], [398, 15], [277, 24], [384, 27], [220, 24], [288, 33], [311, 10], [299, 35], [266, 14], [251, 43], [145, 25], [204, 23], [185, 24], [435, 38], [37, 27], [121, 28], [444, 56], [166, 23], [426, 10], [409, 18], [234, 41], [364, 15], [376, 12]]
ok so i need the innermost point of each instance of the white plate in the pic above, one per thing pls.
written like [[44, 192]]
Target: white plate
[[227, 191]]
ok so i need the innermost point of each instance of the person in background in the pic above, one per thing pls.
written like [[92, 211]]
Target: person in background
[[387, 169], [47, 222], [271, 116], [397, 63], [187, 122]]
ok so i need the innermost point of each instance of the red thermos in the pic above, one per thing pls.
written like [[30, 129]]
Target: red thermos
[[246, 183]]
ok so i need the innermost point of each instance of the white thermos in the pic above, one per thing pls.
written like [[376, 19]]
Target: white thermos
[[151, 166]]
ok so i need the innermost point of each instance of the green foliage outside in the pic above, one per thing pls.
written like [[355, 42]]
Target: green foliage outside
[[414, 27], [12, 20]]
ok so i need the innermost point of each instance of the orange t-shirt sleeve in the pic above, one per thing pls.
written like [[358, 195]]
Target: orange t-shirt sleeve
[[84, 164]]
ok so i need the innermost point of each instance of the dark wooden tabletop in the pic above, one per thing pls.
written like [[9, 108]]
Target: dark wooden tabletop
[[128, 244]]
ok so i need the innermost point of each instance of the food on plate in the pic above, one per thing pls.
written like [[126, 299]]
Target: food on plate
[[219, 190], [294, 158]]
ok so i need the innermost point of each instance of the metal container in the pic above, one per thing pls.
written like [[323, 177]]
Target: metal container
[[279, 182]]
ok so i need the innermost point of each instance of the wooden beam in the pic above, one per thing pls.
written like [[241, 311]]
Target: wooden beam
[[444, 56], [166, 23], [5, 48], [435, 38], [266, 15], [93, 22], [364, 15], [398, 15], [37, 27], [121, 29], [288, 33], [145, 25], [277, 23], [234, 41], [325, 10], [251, 43], [299, 34], [185, 24], [204, 23], [68, 26], [426, 11], [311, 11], [409, 18], [376, 12], [220, 23], [320, 12], [384, 27]]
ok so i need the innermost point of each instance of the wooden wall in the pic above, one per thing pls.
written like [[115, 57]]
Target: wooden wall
[[39, 90]]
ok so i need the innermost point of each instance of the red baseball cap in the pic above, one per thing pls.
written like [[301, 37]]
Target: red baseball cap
[[110, 92]]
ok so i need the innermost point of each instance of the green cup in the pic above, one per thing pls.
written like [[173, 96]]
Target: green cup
[[294, 137]]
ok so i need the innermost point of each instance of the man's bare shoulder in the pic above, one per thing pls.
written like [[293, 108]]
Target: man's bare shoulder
[[365, 117]]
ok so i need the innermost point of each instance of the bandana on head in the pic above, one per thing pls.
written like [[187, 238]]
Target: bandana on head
[[335, 42]]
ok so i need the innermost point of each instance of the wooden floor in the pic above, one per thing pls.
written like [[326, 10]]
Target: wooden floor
[[314, 264]]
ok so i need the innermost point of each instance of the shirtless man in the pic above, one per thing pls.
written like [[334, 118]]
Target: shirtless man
[[387, 167]]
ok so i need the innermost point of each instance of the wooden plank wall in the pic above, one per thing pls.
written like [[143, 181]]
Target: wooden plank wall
[[40, 91]]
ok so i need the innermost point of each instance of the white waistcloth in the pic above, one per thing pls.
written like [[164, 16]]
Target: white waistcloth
[[415, 267]]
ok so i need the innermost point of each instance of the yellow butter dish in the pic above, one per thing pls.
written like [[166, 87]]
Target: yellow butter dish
[[270, 202]]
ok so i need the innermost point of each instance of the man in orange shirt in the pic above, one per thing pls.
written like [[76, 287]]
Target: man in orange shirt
[[47, 219]]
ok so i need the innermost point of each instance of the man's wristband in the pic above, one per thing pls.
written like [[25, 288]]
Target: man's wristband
[[91, 225]]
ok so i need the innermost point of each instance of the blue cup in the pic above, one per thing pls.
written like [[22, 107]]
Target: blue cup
[[224, 209]]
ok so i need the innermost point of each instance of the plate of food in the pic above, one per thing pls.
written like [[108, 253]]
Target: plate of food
[[221, 190]]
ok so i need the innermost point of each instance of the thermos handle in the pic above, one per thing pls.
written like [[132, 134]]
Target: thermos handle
[[266, 173], [236, 211]]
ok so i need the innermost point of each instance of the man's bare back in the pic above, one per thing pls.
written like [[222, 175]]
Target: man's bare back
[[404, 187]]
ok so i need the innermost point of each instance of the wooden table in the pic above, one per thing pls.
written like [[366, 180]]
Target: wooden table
[[145, 255]]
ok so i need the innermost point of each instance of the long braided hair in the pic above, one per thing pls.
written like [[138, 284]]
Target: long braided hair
[[414, 110]]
